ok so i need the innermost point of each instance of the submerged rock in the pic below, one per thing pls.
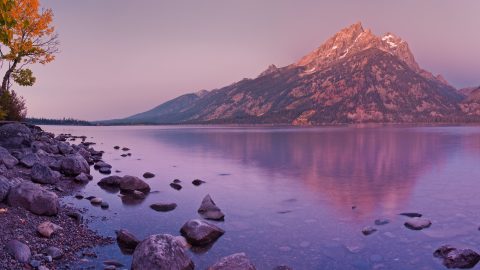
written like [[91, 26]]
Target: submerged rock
[[126, 240], [197, 182], [161, 252], [418, 223], [457, 258], [127, 183], [237, 261], [411, 214], [148, 175], [368, 230], [163, 207], [209, 210], [200, 233], [34, 198], [380, 222], [175, 186]]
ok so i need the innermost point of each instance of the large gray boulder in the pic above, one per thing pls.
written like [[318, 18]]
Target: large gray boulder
[[43, 174], [161, 252], [209, 210], [237, 261], [200, 233], [18, 250], [15, 135], [7, 159], [34, 198], [73, 165]]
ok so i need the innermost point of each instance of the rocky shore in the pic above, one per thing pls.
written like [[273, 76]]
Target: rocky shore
[[37, 231]]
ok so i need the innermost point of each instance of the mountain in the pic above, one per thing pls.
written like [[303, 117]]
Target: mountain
[[354, 77]]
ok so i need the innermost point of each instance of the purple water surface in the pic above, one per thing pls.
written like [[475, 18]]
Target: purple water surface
[[299, 196]]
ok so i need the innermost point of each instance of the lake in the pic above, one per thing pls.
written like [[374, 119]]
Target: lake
[[298, 196]]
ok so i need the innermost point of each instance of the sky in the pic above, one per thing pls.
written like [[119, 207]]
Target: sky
[[121, 57]]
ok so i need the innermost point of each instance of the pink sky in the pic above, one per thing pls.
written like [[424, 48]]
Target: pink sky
[[120, 57]]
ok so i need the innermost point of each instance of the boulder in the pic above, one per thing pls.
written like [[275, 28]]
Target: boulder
[[34, 198], [5, 186], [101, 164], [126, 240], [209, 210], [131, 183], [83, 178], [105, 170], [64, 148], [200, 233], [127, 184], [163, 207], [18, 250], [7, 159], [47, 228], [237, 261], [29, 160], [74, 164], [418, 223], [15, 135], [43, 174], [457, 258], [161, 252]]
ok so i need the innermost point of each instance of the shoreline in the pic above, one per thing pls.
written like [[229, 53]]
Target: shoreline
[[37, 170]]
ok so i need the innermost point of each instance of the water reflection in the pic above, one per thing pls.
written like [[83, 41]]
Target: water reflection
[[364, 167]]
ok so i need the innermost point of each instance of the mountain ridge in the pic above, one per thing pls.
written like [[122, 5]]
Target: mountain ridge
[[353, 77]]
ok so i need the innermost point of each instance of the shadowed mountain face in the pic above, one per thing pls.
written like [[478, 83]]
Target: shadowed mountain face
[[353, 77]]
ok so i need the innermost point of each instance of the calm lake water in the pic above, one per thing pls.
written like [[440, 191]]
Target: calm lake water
[[299, 196]]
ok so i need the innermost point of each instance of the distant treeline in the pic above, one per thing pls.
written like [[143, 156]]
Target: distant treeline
[[64, 121]]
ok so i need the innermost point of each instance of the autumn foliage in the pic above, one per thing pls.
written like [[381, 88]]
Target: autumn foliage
[[27, 37]]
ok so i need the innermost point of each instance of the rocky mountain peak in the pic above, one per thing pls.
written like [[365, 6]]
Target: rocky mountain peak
[[271, 69]]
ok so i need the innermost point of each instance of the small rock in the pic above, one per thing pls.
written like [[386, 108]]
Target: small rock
[[34, 263], [76, 216], [96, 201], [418, 223], [411, 214], [457, 258], [163, 207], [200, 233], [197, 182], [104, 205], [113, 263], [116, 147], [177, 181], [238, 261], [126, 240], [209, 210], [78, 196], [105, 170], [176, 186], [148, 175], [47, 228], [54, 252], [83, 178], [125, 149], [368, 230]]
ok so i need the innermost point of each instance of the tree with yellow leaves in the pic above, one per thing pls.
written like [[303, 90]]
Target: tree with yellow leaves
[[26, 37]]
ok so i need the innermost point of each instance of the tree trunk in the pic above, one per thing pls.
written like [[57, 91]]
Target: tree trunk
[[6, 77]]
